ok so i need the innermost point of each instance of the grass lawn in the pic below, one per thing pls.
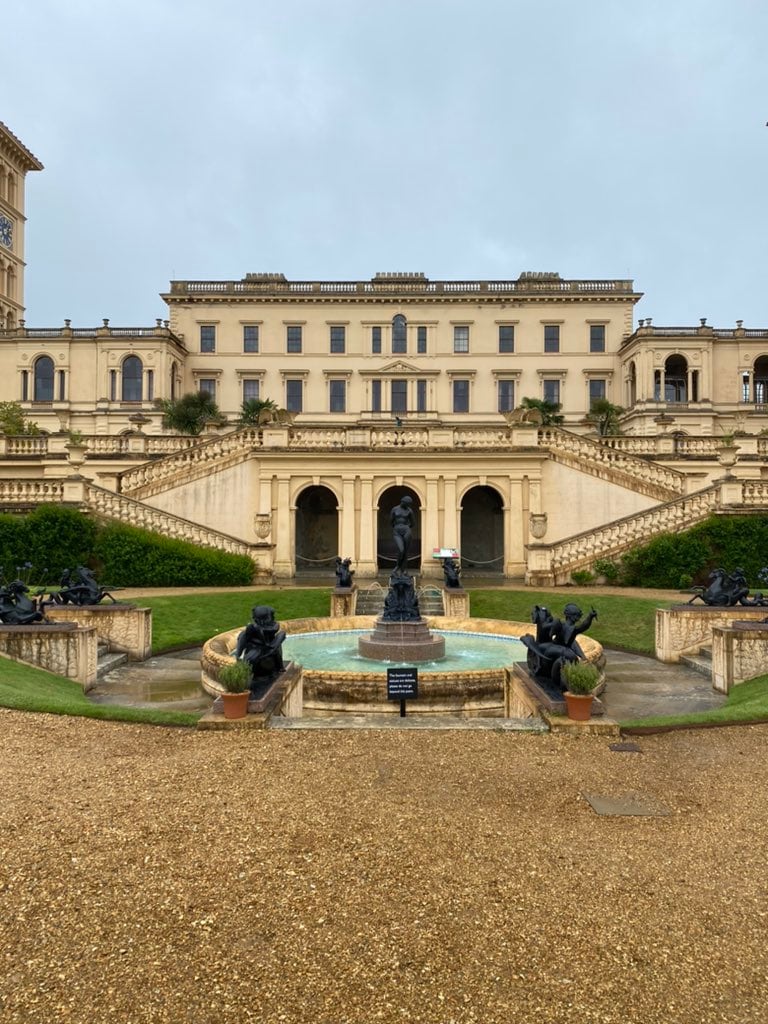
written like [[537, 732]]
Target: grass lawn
[[626, 622], [24, 688], [747, 702], [191, 619]]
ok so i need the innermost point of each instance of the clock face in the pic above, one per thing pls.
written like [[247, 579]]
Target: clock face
[[6, 232]]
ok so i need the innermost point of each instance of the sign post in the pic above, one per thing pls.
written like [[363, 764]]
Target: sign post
[[402, 685]]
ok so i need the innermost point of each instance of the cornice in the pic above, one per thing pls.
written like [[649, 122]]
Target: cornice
[[16, 149]]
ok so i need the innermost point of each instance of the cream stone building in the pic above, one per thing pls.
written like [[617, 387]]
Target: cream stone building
[[395, 384]]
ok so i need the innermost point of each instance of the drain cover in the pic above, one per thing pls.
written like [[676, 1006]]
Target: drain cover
[[626, 804], [625, 747]]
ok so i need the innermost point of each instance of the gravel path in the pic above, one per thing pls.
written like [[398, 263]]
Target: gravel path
[[156, 875]]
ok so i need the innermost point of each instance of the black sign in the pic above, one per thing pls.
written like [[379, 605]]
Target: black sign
[[402, 683]]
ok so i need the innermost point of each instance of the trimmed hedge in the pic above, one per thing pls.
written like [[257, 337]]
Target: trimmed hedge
[[684, 559], [56, 538], [52, 537], [130, 557]]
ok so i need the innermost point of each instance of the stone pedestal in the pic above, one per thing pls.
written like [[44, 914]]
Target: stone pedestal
[[455, 603], [122, 627], [344, 601], [684, 628], [64, 648], [739, 653], [401, 641]]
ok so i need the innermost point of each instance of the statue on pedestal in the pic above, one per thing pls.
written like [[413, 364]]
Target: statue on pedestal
[[78, 586], [403, 522], [555, 642], [260, 646], [343, 573], [451, 571]]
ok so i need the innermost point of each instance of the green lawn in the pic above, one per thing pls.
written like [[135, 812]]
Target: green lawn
[[747, 702], [191, 619], [24, 688], [626, 622]]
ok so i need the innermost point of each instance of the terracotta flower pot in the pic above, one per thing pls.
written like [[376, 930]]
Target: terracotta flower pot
[[579, 706], [235, 704]]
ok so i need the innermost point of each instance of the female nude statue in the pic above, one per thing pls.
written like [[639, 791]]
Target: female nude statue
[[403, 522]]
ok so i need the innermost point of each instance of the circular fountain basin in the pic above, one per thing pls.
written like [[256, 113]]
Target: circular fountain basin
[[337, 680]]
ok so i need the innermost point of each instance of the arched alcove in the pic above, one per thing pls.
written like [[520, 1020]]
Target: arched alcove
[[317, 530], [386, 549], [482, 531]]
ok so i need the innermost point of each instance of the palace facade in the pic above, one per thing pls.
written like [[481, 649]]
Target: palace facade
[[394, 384]]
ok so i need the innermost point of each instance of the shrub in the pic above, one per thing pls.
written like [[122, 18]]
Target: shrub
[[235, 678], [681, 559], [606, 568], [130, 557], [582, 577], [581, 676], [52, 537]]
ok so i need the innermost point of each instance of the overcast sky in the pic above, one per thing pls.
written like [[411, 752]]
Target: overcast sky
[[331, 139]]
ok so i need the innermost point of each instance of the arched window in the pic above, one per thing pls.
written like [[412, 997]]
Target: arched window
[[132, 373], [676, 379], [174, 373], [761, 380], [43, 379], [632, 385], [399, 335]]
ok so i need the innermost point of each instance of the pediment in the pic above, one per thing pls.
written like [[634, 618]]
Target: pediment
[[399, 367]]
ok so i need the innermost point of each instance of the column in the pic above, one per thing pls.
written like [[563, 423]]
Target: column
[[366, 560], [451, 529], [515, 530], [430, 537], [347, 519], [284, 524]]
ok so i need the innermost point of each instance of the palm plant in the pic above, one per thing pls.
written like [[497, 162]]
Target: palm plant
[[255, 411], [190, 413], [550, 411]]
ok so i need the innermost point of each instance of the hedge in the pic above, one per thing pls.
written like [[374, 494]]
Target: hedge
[[55, 538], [684, 559]]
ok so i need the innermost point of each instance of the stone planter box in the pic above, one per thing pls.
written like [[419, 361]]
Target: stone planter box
[[122, 627], [739, 652], [684, 628], [66, 649]]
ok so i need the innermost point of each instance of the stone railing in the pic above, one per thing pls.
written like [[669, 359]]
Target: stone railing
[[754, 493], [126, 510], [555, 563], [612, 464], [37, 446], [25, 444], [29, 492], [188, 464]]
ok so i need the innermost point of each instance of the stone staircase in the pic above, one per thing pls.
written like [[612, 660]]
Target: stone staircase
[[370, 600], [701, 661], [611, 464], [107, 660]]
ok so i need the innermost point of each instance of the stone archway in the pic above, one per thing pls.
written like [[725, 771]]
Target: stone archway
[[386, 551], [482, 531], [317, 530]]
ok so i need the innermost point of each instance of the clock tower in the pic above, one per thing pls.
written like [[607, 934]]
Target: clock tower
[[15, 161]]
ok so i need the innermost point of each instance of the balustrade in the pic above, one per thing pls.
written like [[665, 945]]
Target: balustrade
[[22, 491]]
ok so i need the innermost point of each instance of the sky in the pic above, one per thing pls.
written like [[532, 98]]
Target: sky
[[334, 139]]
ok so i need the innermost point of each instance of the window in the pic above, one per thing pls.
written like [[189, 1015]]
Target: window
[[338, 340], [293, 339], [207, 337], [207, 386], [506, 395], [552, 391], [25, 385], [421, 341], [421, 396], [250, 338], [250, 391], [44, 379], [551, 337], [597, 337], [399, 396], [132, 371], [461, 396], [337, 394], [399, 335], [375, 396], [62, 385], [113, 385], [150, 385], [506, 337], [596, 390], [376, 341], [294, 395], [461, 338]]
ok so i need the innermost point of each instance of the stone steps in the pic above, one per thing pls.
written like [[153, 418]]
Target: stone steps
[[108, 660], [700, 662]]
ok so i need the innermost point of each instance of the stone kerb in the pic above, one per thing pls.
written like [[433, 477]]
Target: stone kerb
[[684, 628], [64, 648], [122, 627], [739, 653]]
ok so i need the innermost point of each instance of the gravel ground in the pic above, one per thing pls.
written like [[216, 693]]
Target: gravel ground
[[154, 875]]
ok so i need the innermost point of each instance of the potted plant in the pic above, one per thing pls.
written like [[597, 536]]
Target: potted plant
[[582, 678], [236, 680]]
